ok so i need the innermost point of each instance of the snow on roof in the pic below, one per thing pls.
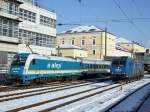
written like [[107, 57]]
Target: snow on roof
[[69, 46], [118, 47], [123, 40], [81, 29]]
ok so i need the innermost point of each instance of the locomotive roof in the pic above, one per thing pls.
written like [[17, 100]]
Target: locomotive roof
[[52, 57]]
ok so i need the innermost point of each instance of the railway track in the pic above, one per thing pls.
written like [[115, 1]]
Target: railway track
[[53, 102], [17, 95], [54, 86], [67, 99], [111, 109], [23, 87]]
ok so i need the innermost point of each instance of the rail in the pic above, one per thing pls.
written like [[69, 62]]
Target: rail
[[85, 93], [43, 91], [123, 99]]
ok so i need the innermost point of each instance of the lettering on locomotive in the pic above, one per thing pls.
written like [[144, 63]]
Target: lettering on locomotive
[[54, 66]]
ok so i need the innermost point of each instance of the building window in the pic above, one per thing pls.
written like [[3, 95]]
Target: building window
[[94, 52], [34, 38], [82, 42], [63, 42], [94, 41], [47, 21], [72, 42], [10, 7], [8, 28], [27, 15]]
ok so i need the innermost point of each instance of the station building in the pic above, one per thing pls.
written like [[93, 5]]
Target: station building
[[131, 46], [94, 40], [25, 22], [71, 51]]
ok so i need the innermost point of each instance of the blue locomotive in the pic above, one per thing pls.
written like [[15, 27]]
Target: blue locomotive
[[26, 68], [125, 68]]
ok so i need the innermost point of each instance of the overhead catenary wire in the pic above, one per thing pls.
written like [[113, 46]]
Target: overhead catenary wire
[[137, 8], [129, 19]]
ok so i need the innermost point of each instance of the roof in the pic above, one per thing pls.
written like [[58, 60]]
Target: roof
[[118, 47], [83, 29], [18, 1], [123, 40]]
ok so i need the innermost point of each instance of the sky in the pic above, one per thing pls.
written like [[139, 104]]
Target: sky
[[129, 19]]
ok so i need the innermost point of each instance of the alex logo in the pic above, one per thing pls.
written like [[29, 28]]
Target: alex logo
[[54, 66]]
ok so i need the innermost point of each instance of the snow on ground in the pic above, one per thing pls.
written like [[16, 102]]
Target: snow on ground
[[35, 92], [96, 103], [101, 102], [12, 104], [61, 101], [24, 90], [131, 103], [34, 89]]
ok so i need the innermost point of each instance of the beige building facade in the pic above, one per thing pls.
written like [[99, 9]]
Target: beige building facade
[[72, 51], [94, 40], [133, 47]]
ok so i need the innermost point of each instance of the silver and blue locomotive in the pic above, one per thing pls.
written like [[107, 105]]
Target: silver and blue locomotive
[[27, 67], [125, 68]]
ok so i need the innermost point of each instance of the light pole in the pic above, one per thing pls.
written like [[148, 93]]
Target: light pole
[[105, 42]]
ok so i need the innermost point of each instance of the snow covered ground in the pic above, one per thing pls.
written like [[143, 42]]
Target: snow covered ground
[[96, 103], [32, 89], [101, 102], [12, 104]]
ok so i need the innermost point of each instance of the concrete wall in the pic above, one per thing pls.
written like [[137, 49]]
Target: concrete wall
[[37, 27], [8, 47]]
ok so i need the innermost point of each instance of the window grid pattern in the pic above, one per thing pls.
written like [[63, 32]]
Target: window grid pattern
[[9, 7], [27, 15], [8, 28], [28, 37], [47, 21]]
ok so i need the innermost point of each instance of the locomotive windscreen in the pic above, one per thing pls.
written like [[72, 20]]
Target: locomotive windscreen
[[19, 60], [118, 62]]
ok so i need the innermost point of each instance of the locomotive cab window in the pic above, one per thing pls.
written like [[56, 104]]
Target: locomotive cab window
[[119, 63], [33, 61]]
